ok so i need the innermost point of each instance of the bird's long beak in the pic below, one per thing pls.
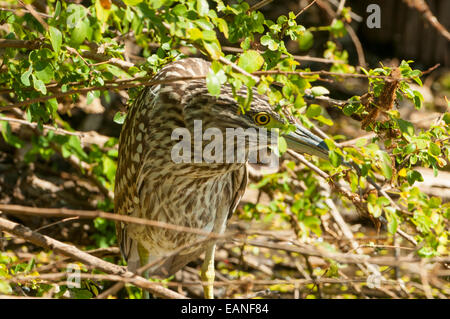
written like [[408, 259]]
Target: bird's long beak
[[303, 141]]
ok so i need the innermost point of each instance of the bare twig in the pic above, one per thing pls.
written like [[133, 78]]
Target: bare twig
[[58, 212], [305, 8], [73, 252], [424, 9], [259, 5]]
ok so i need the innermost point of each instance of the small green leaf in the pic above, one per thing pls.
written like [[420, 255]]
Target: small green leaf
[[446, 118], [413, 176], [392, 224], [80, 32], [306, 41], [251, 61], [434, 149], [213, 49], [282, 145], [375, 210], [132, 2], [410, 148], [319, 90], [386, 164], [335, 158], [55, 38], [120, 117], [418, 98], [25, 78], [405, 127], [314, 110], [57, 10], [39, 85], [194, 34], [202, 7]]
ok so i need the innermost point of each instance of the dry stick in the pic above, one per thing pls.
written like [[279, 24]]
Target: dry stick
[[111, 291], [54, 86], [358, 46], [356, 200], [35, 44], [325, 73], [424, 9], [295, 57], [348, 258], [34, 125], [58, 212], [259, 5], [87, 137], [35, 14], [110, 277], [73, 252], [238, 69], [340, 7], [305, 8], [96, 88]]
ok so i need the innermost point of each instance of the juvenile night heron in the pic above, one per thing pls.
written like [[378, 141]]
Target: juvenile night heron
[[151, 185]]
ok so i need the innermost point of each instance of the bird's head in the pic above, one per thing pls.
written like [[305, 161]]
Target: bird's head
[[223, 112]]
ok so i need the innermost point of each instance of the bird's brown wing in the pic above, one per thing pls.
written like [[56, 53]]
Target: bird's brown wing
[[175, 263], [239, 178]]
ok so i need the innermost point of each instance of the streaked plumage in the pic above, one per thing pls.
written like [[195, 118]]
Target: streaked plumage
[[150, 185]]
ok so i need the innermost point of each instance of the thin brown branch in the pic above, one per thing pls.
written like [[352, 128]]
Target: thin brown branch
[[358, 46], [422, 7], [354, 198], [305, 8], [259, 5], [90, 214], [34, 13], [73, 252], [94, 88], [295, 57]]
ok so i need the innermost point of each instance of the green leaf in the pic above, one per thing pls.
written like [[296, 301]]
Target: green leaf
[[209, 35], [446, 118], [25, 78], [392, 224], [202, 7], [8, 136], [405, 127], [375, 210], [410, 148], [213, 49], [282, 145], [223, 27], [413, 176], [306, 41], [214, 81], [80, 32], [109, 168], [319, 90], [386, 164], [132, 2], [194, 34], [251, 61], [57, 10], [314, 110], [120, 117], [335, 158], [39, 85], [55, 38], [434, 149], [418, 98], [337, 28], [322, 119]]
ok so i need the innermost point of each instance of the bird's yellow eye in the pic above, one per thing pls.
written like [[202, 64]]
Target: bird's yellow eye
[[262, 118]]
